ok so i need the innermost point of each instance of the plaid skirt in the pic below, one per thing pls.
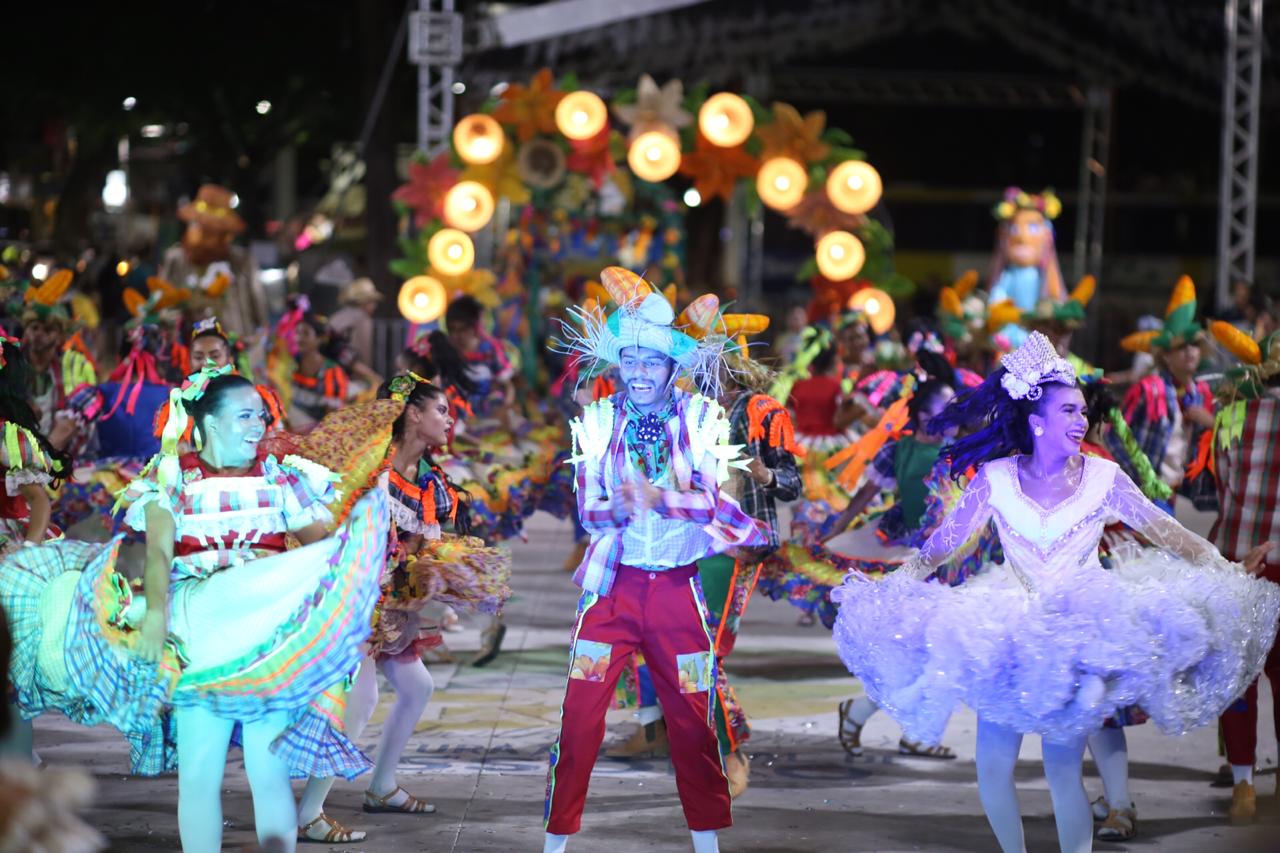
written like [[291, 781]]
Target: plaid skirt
[[72, 619]]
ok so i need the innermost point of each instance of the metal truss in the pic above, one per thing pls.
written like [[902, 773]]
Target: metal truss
[[435, 46], [1238, 182]]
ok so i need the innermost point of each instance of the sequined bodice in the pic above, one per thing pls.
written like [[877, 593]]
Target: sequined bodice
[[1042, 543]]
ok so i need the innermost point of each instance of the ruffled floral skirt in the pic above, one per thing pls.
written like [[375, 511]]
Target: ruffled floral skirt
[[272, 634]]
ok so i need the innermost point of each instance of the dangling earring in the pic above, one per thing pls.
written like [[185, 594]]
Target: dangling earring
[[1038, 431]]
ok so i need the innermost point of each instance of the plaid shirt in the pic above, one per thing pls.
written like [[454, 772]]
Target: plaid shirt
[[1153, 409], [694, 519], [1249, 484], [757, 500]]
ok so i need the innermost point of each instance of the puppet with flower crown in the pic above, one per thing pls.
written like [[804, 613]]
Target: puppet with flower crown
[[1052, 642], [1024, 268]]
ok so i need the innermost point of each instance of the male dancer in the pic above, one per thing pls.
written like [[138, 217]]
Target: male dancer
[[650, 462]]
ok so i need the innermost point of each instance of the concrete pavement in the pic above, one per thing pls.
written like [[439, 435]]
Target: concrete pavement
[[480, 755]]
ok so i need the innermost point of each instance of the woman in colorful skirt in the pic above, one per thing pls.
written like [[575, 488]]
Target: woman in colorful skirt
[[425, 565], [233, 632]]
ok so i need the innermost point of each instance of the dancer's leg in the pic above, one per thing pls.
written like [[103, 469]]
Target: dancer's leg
[[361, 700], [997, 755], [202, 757], [705, 841], [1111, 754], [413, 686], [273, 806], [861, 710], [1062, 767]]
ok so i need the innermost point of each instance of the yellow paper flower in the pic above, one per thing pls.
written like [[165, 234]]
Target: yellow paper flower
[[790, 135], [531, 109], [501, 177], [475, 282]]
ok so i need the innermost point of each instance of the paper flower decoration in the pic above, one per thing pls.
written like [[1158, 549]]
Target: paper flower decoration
[[790, 135], [541, 164], [531, 109], [716, 170], [816, 215], [502, 177], [425, 191], [655, 106], [479, 283], [593, 157]]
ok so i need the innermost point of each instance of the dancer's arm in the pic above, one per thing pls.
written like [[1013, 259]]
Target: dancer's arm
[[970, 514], [155, 581], [859, 502], [38, 506], [313, 532], [1127, 502]]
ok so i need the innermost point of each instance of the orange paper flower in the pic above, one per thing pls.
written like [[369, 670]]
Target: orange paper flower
[[715, 170], [530, 109], [816, 215], [789, 135]]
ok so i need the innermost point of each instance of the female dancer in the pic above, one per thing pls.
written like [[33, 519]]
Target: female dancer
[[232, 630], [318, 383], [1055, 644], [422, 500]]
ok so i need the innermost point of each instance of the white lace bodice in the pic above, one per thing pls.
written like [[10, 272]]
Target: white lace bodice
[[1042, 543]]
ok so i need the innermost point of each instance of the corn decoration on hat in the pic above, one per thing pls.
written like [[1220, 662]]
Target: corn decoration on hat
[[1070, 313], [645, 318], [44, 302], [1259, 361], [1179, 328]]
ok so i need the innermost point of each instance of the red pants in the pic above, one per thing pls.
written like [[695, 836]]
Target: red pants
[[1240, 722], [660, 614]]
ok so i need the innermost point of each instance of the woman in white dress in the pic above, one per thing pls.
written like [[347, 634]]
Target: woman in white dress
[[1052, 643]]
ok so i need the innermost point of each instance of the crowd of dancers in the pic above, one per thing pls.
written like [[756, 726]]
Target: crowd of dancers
[[225, 538]]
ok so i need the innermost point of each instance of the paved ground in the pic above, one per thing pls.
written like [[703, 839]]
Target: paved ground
[[480, 756]]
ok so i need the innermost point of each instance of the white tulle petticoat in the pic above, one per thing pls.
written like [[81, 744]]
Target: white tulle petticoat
[[1181, 640]]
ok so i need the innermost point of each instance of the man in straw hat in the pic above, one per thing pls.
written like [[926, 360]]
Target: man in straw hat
[[222, 276], [650, 464]]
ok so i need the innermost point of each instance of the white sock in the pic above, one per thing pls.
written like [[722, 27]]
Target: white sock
[[647, 714], [554, 843], [862, 710], [1242, 773], [705, 841]]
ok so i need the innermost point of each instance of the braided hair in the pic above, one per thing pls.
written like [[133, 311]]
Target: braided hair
[[939, 375], [1001, 423]]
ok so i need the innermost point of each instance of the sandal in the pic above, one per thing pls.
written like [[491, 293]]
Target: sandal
[[411, 805], [917, 748], [1120, 825], [334, 832], [1101, 809], [850, 732]]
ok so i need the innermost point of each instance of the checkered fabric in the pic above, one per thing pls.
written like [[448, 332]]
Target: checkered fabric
[[694, 519], [1249, 486], [757, 500]]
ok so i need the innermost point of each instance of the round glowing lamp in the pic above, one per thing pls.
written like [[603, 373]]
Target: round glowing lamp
[[468, 206], [840, 255], [781, 183], [581, 115], [854, 186], [450, 252], [478, 138], [422, 299], [726, 120], [877, 306], [654, 156]]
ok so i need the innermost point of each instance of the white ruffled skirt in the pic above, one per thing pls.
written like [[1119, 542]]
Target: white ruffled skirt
[[1182, 641]]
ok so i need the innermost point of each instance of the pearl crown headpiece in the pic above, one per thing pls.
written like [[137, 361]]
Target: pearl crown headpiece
[[1031, 364]]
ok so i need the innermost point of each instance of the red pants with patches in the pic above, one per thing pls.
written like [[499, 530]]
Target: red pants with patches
[[661, 615], [1240, 722]]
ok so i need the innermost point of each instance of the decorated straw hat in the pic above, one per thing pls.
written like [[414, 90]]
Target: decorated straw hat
[[1259, 361], [359, 292], [212, 209], [1179, 327], [1070, 314]]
